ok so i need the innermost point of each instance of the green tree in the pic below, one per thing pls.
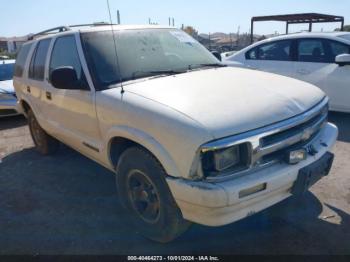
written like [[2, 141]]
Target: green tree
[[191, 31], [346, 28]]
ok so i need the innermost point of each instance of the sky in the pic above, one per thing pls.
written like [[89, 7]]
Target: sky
[[21, 17]]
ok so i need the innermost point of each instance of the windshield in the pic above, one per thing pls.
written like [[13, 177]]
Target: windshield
[[142, 53], [347, 36], [6, 71]]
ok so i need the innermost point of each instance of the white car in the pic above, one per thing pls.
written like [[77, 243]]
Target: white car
[[188, 139], [8, 100], [322, 59]]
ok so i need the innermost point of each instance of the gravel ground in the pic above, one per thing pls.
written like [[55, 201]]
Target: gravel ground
[[67, 204]]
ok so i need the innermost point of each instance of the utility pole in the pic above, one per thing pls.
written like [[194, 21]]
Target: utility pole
[[118, 17]]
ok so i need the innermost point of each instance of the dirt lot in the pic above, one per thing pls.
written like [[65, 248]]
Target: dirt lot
[[67, 204]]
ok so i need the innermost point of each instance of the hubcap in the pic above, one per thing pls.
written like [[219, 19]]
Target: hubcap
[[144, 196]]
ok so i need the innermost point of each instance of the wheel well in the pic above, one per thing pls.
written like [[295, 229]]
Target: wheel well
[[117, 147], [25, 106]]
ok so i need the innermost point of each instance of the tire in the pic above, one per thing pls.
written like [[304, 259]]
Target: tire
[[44, 143], [146, 197]]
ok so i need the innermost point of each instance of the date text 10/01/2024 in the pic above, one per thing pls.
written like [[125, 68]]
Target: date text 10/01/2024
[[173, 258]]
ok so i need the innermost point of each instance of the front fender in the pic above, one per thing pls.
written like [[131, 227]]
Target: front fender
[[145, 140]]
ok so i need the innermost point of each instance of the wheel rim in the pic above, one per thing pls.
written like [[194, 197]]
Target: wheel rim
[[36, 132], [143, 196]]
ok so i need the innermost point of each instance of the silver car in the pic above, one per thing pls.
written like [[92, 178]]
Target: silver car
[[8, 99]]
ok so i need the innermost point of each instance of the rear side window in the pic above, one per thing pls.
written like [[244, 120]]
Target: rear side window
[[65, 53], [37, 64], [277, 51], [21, 59]]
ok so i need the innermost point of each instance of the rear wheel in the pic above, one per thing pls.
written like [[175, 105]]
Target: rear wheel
[[44, 143], [146, 197]]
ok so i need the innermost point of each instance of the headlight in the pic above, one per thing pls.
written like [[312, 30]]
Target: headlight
[[226, 158], [231, 159]]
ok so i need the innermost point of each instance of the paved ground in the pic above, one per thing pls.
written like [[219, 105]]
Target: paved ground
[[67, 204]]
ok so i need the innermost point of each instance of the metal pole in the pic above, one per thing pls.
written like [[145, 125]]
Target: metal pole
[[252, 32], [173, 22], [118, 17], [169, 21], [310, 27], [149, 20], [342, 25], [287, 28]]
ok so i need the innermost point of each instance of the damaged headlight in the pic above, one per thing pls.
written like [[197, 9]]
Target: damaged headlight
[[231, 159]]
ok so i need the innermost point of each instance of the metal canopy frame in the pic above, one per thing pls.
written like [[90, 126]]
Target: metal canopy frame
[[306, 18]]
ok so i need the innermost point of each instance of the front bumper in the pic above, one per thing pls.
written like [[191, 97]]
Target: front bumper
[[221, 203], [9, 107]]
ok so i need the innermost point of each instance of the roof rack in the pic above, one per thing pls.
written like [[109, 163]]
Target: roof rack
[[61, 29]]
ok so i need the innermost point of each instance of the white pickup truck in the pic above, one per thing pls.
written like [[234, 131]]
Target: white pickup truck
[[188, 139]]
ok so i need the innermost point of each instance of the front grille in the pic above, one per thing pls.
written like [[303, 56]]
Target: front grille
[[269, 144], [273, 147]]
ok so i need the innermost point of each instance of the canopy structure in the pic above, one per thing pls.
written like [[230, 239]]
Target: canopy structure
[[307, 18]]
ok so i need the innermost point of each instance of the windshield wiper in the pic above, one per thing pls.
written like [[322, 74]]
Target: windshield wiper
[[143, 74], [196, 66], [155, 73]]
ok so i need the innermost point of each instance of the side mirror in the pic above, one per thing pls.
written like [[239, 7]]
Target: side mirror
[[65, 78], [342, 60], [217, 55]]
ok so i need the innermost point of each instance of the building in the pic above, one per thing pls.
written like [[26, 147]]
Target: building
[[12, 44]]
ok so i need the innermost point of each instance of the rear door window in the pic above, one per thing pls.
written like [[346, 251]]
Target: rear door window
[[21, 59], [37, 64]]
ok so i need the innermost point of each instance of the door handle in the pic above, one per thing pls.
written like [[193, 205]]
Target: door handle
[[48, 96], [28, 89]]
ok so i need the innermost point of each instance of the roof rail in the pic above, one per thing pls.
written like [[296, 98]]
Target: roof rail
[[51, 30], [94, 24], [64, 29]]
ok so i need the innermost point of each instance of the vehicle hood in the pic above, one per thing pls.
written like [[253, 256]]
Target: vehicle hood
[[7, 87], [229, 101]]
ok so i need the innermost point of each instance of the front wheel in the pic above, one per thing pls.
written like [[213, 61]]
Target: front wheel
[[44, 143], [146, 197]]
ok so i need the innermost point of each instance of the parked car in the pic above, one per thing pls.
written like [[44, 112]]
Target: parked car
[[8, 100], [322, 59], [225, 55], [188, 139]]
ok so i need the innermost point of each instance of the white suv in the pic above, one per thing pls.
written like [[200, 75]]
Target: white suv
[[188, 139], [321, 59]]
